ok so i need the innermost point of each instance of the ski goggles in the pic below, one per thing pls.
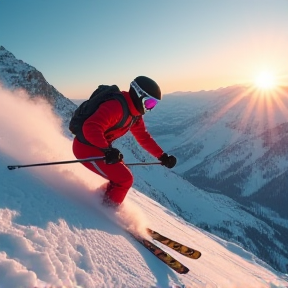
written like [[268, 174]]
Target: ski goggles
[[148, 101]]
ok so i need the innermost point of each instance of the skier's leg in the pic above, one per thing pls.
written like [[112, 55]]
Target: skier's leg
[[83, 151], [121, 180], [120, 177]]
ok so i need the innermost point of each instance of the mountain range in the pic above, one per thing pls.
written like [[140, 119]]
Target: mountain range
[[235, 144], [230, 144]]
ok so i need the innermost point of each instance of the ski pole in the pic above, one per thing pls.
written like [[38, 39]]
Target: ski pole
[[142, 163], [13, 167]]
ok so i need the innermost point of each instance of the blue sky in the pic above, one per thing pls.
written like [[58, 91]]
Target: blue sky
[[185, 45]]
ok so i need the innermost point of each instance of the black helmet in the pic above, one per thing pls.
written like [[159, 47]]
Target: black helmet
[[149, 86]]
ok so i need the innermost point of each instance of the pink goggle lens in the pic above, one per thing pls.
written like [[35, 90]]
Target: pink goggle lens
[[149, 103]]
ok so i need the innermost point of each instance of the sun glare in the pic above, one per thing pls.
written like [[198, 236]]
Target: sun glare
[[265, 80]]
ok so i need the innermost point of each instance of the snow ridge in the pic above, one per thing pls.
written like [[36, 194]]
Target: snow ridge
[[18, 75]]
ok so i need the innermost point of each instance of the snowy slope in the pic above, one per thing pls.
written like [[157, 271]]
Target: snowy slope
[[53, 229], [50, 238], [233, 142], [15, 74], [203, 123]]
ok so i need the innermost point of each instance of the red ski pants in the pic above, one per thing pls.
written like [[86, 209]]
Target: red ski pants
[[120, 177]]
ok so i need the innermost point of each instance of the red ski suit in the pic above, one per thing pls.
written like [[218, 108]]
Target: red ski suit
[[106, 116]]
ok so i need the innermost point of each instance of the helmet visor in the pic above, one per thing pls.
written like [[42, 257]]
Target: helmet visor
[[148, 101]]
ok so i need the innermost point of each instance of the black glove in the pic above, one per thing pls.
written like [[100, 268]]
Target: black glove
[[167, 160], [112, 156]]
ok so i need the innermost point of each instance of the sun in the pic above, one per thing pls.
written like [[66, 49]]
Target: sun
[[265, 80]]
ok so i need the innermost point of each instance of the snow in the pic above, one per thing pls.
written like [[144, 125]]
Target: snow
[[54, 230], [216, 122]]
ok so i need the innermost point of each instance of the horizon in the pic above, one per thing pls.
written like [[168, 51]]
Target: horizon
[[192, 46]]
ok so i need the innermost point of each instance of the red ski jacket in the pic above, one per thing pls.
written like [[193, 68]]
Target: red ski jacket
[[110, 113]]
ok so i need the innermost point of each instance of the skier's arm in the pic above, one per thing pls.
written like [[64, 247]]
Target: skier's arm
[[106, 116], [144, 138]]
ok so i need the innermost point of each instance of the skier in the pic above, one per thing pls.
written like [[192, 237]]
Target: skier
[[143, 96]]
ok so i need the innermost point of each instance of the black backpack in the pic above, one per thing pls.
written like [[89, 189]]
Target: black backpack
[[102, 94]]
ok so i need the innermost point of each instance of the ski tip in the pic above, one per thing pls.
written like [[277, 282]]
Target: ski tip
[[184, 270], [197, 254]]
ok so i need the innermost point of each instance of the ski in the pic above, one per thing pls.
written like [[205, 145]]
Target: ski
[[162, 255], [178, 247]]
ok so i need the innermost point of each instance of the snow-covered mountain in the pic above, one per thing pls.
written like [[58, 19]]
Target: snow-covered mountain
[[201, 132], [257, 228], [233, 142], [55, 233], [16, 74]]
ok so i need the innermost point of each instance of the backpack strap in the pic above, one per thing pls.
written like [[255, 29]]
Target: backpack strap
[[126, 113]]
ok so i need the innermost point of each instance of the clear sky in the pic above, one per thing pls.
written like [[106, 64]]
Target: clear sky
[[184, 45]]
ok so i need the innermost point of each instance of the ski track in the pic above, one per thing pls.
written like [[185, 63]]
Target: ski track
[[218, 251]]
